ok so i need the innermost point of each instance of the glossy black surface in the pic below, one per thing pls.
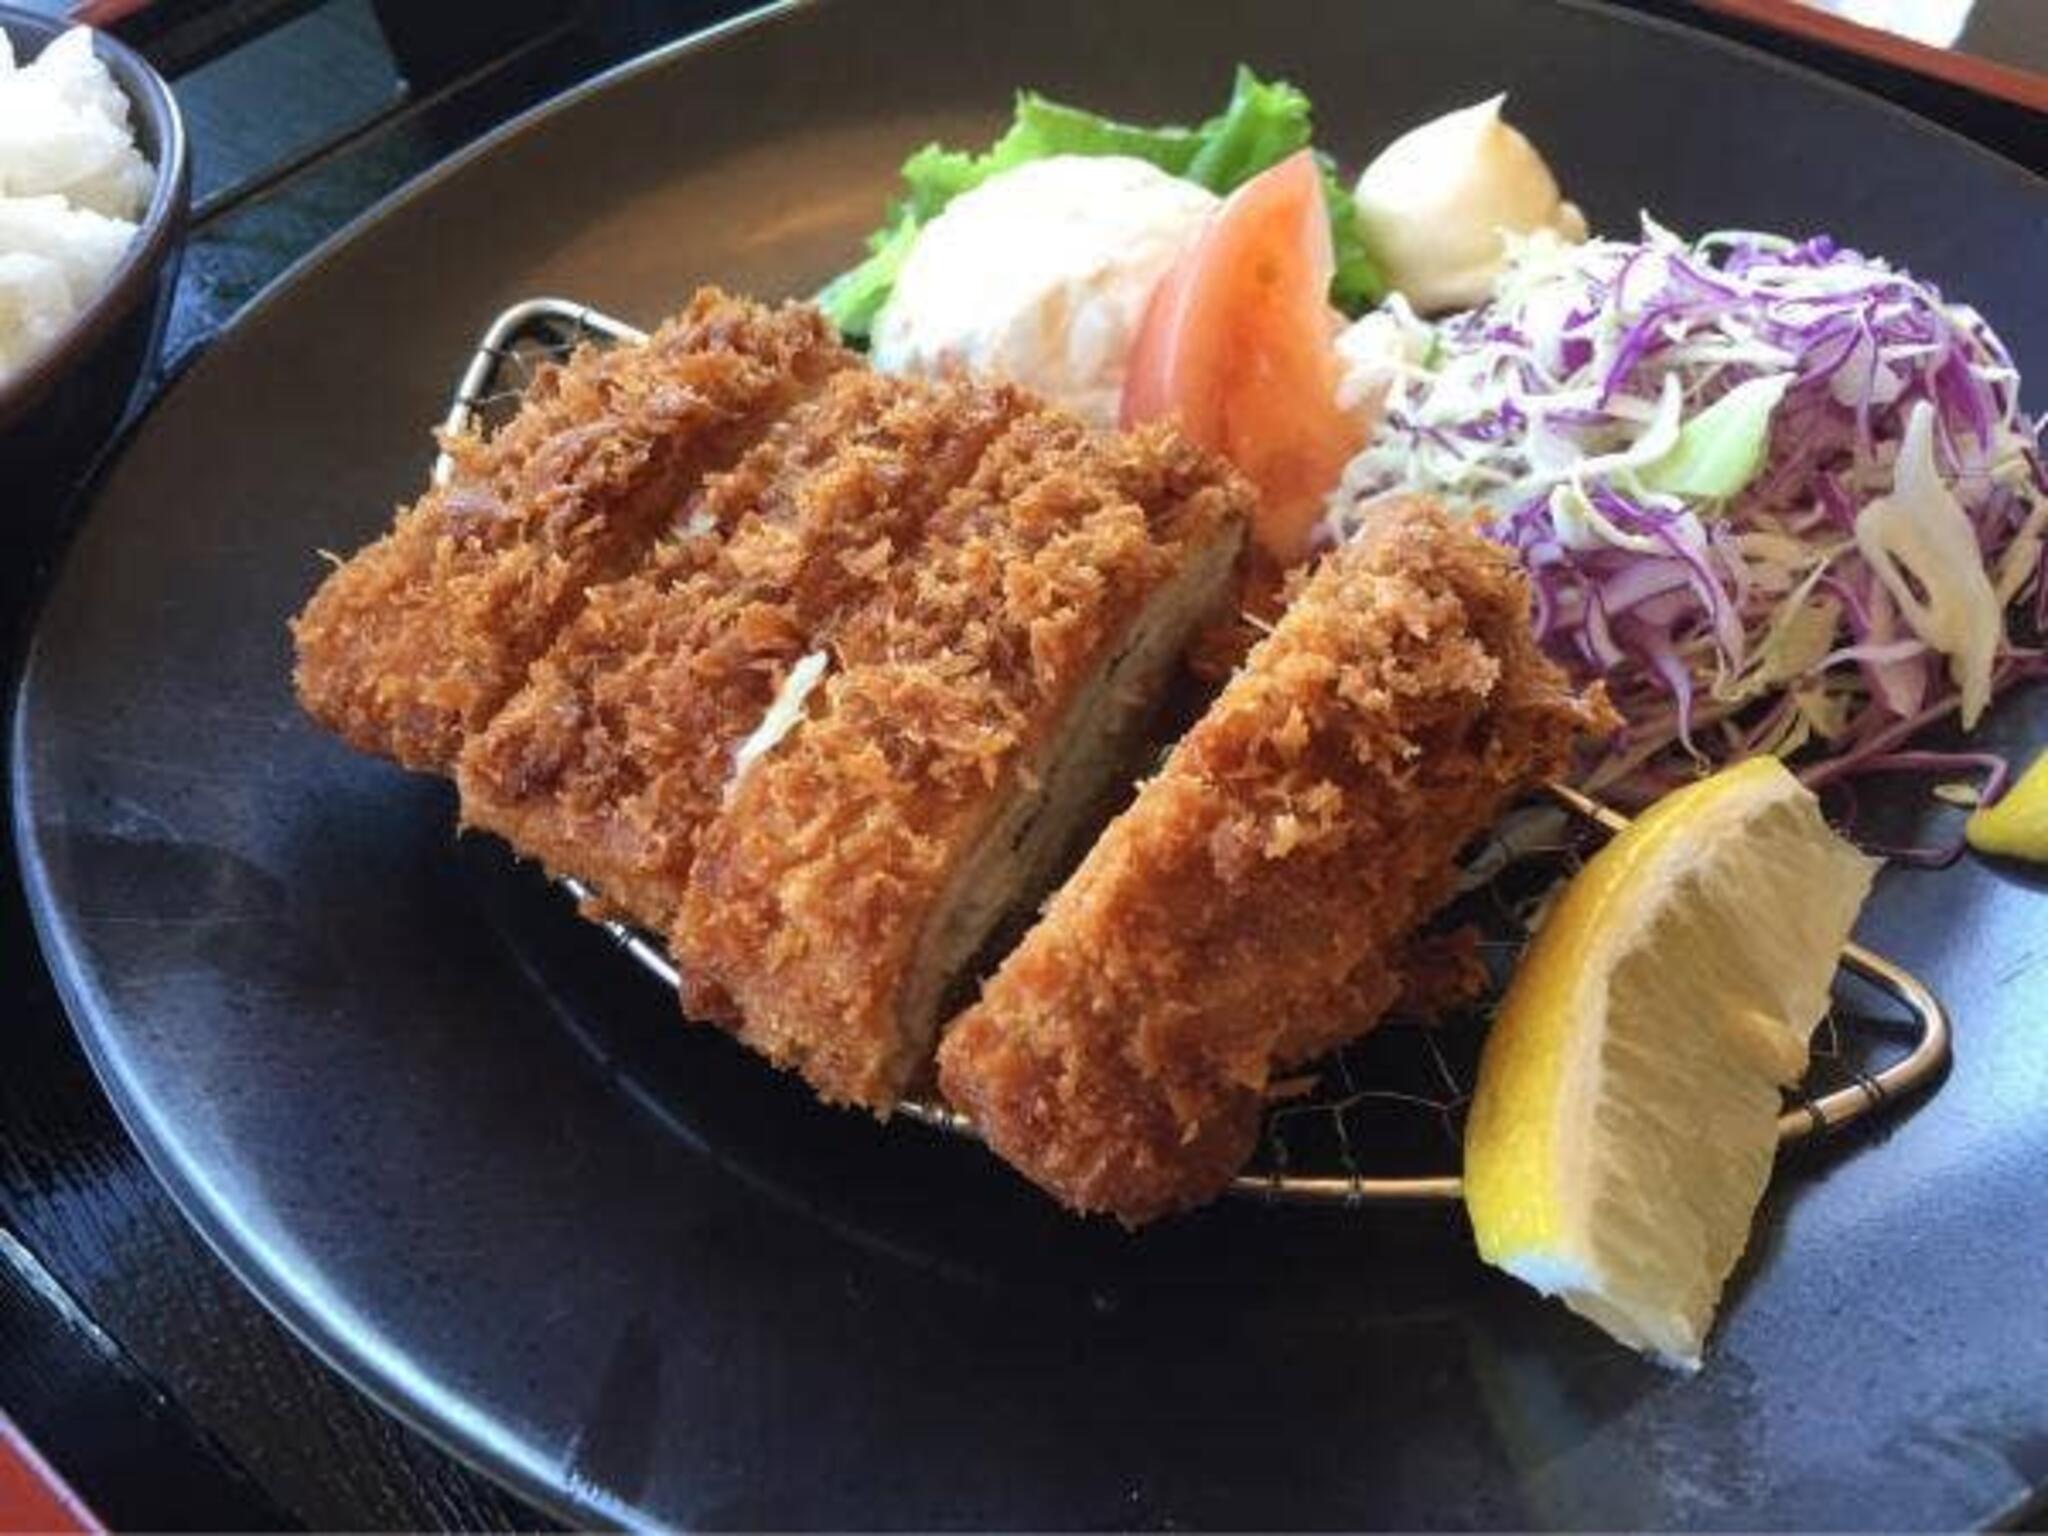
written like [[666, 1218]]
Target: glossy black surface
[[161, 1315], [2007, 32], [472, 1155]]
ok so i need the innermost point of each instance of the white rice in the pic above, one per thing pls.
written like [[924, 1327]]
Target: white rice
[[72, 186]]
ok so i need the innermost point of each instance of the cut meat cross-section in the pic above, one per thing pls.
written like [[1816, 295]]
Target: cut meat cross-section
[[622, 746], [412, 645], [978, 713]]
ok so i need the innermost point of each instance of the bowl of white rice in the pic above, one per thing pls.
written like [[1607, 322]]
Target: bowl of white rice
[[94, 191]]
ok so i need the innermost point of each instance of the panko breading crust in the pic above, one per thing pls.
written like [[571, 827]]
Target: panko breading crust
[[1250, 909], [412, 645], [811, 892], [617, 753]]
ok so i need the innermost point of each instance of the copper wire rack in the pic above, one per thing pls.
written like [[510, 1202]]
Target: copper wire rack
[[1381, 1121]]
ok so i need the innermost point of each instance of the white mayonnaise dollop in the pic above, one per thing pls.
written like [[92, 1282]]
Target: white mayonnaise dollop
[[1434, 204], [1041, 276]]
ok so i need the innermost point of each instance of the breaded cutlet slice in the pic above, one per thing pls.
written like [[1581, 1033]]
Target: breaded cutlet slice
[[414, 643], [618, 750], [1251, 909], [976, 715]]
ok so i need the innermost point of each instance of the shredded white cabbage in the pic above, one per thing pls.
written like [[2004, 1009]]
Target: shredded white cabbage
[[1775, 493], [1919, 538], [782, 717]]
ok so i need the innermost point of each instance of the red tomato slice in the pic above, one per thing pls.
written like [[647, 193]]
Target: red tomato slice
[[1236, 344]]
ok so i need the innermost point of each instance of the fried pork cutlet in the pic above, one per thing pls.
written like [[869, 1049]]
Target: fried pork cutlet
[[1249, 911], [976, 713], [615, 755], [412, 645]]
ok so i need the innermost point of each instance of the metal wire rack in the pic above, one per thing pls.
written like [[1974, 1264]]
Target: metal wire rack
[[1381, 1121]]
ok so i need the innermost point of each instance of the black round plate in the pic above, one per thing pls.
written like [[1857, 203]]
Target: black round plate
[[471, 1154]]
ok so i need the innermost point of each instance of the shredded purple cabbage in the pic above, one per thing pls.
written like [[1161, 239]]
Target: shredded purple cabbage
[[1750, 617]]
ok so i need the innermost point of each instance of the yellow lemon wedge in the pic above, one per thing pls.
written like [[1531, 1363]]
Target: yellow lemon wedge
[[1626, 1112], [2017, 826]]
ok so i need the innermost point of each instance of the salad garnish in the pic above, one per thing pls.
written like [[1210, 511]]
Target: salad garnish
[[1780, 495], [1264, 122]]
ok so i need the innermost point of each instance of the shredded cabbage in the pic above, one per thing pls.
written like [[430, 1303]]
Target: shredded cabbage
[[785, 712], [1779, 495]]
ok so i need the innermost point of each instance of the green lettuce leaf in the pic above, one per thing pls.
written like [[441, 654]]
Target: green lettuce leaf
[[853, 298], [1357, 284], [1264, 123], [1720, 450]]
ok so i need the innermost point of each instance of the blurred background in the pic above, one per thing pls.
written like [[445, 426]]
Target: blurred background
[[273, 90]]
